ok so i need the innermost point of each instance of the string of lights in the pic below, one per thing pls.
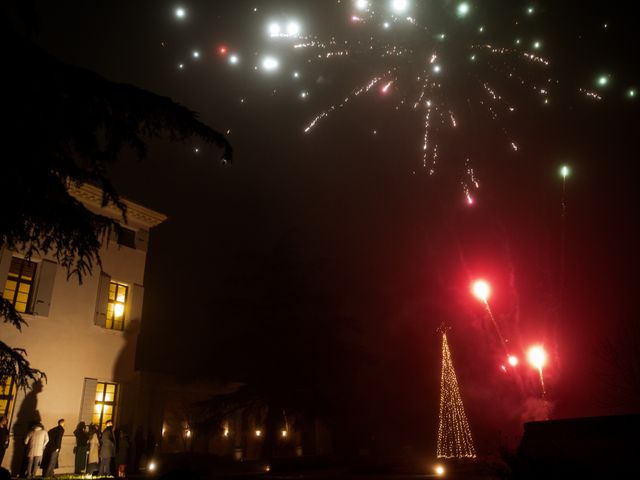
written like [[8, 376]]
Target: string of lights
[[454, 434]]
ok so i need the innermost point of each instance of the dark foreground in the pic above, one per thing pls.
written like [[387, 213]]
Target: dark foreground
[[182, 468]]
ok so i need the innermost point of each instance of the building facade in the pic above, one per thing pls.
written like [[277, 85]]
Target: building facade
[[82, 335], [194, 420]]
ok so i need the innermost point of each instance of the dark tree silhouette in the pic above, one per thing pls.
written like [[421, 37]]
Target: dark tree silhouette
[[65, 126]]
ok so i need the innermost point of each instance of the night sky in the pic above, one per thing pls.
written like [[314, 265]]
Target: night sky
[[331, 257]]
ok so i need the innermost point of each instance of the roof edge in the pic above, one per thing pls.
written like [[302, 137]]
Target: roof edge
[[92, 196]]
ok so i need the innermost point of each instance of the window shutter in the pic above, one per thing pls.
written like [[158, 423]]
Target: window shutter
[[102, 301], [142, 240], [42, 303], [137, 295], [88, 400], [5, 264]]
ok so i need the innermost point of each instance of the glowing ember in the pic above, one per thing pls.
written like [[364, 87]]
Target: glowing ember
[[270, 64], [537, 357], [481, 290], [463, 9], [399, 6]]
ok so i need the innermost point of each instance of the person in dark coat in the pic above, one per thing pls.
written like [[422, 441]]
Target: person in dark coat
[[50, 460], [4, 437], [138, 448], [122, 453], [107, 449], [82, 447]]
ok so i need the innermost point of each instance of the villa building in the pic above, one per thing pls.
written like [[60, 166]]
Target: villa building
[[82, 335]]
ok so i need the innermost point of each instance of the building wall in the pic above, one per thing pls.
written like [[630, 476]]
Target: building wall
[[591, 447], [69, 347], [189, 426]]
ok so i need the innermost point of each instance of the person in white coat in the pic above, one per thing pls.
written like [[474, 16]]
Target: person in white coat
[[35, 441], [94, 450]]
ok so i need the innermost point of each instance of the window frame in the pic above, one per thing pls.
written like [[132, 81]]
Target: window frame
[[8, 394], [103, 403], [111, 321], [20, 280]]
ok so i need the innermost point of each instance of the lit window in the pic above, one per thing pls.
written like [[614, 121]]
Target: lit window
[[116, 306], [20, 283], [7, 392], [105, 404]]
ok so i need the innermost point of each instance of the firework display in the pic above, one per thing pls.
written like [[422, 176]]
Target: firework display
[[465, 80], [448, 64]]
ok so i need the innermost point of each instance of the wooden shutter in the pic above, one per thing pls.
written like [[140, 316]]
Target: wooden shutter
[[135, 312], [88, 400], [42, 303], [5, 264], [102, 301]]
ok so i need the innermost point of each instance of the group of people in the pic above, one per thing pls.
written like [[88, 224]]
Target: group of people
[[96, 452], [101, 452]]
